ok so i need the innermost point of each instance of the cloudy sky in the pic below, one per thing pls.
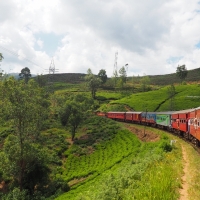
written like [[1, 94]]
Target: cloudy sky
[[153, 36]]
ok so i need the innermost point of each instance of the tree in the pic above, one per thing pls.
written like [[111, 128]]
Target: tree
[[1, 57], [93, 82], [25, 107], [102, 75], [25, 74], [123, 75], [181, 72], [75, 110], [71, 115]]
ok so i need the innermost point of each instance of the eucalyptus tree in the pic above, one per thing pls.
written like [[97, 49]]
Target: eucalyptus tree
[[25, 107]]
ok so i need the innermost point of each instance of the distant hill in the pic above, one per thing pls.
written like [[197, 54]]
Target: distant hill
[[16, 75], [167, 79]]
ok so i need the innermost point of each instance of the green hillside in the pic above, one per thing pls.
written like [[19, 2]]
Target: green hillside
[[105, 160], [187, 96]]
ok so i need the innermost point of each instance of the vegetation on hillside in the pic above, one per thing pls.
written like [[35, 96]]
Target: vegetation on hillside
[[51, 142]]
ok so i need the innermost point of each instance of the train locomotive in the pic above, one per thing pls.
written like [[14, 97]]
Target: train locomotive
[[185, 123]]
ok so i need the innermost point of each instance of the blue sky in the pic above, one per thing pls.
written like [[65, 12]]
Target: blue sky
[[50, 42], [153, 37]]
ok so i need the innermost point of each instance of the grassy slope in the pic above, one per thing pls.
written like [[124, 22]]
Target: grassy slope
[[187, 96], [97, 187], [135, 176]]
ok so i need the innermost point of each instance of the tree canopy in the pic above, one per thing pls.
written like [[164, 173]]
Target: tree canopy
[[25, 74], [181, 72], [1, 57], [123, 75], [102, 75], [26, 108], [93, 82]]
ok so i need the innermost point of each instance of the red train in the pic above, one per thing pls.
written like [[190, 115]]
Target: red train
[[185, 123]]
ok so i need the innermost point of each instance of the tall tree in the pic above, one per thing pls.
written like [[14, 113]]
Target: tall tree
[[25, 107], [74, 112], [25, 74], [123, 75], [102, 75], [1, 57], [93, 82], [71, 115], [181, 72]]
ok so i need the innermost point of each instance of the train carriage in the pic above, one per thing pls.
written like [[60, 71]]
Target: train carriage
[[148, 118], [133, 116], [164, 120], [194, 125], [116, 115], [180, 121]]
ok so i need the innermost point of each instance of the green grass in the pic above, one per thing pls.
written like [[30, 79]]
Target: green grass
[[187, 96], [147, 172]]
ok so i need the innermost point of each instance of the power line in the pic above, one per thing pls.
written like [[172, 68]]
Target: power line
[[15, 54]]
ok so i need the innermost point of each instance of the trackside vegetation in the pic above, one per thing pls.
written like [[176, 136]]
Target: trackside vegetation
[[53, 146], [149, 171]]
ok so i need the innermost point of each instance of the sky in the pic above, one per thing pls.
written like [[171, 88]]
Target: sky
[[153, 37]]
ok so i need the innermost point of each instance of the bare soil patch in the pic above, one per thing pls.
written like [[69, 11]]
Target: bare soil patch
[[143, 134], [184, 189]]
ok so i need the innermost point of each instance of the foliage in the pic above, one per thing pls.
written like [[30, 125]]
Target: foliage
[[158, 100], [25, 107], [171, 93], [41, 80], [123, 75], [72, 115], [145, 81], [122, 144], [181, 72], [93, 82], [74, 111], [1, 57], [148, 172], [25, 74], [102, 75]]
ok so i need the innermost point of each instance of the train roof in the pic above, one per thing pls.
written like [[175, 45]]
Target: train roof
[[116, 112], [134, 112], [185, 111], [165, 112]]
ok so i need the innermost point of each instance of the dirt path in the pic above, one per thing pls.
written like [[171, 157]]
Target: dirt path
[[185, 186]]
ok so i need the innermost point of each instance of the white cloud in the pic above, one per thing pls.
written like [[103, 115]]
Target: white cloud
[[153, 36]]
